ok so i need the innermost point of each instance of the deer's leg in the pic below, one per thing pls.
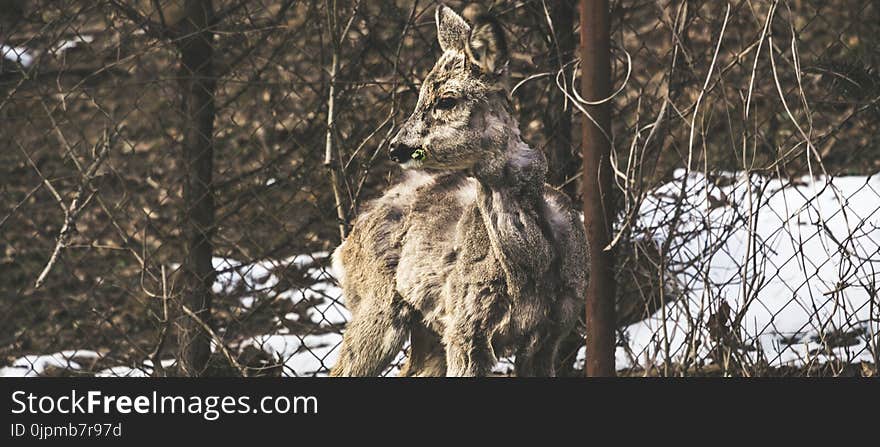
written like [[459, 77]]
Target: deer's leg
[[373, 337], [538, 354], [567, 351], [469, 358], [469, 350], [544, 359], [537, 364], [427, 357]]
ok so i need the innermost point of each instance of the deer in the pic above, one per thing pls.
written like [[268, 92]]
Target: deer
[[471, 254]]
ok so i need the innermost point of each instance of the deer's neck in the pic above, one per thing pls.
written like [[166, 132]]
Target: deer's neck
[[510, 200]]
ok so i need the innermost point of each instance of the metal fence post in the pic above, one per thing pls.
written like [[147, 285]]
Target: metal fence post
[[598, 203]]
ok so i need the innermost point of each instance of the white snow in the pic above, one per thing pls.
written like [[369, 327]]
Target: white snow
[[326, 296], [302, 355], [126, 371], [25, 56], [71, 43], [804, 270], [34, 365], [17, 54]]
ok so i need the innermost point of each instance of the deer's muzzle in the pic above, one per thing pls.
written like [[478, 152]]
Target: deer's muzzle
[[402, 153]]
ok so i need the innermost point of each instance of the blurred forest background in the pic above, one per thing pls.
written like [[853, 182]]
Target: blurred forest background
[[139, 139]]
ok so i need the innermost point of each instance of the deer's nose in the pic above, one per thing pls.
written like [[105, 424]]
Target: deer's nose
[[402, 153]]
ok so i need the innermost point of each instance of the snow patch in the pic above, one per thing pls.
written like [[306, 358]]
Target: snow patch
[[793, 260], [20, 55], [35, 365]]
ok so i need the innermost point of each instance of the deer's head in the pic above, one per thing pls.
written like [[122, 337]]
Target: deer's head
[[462, 120]]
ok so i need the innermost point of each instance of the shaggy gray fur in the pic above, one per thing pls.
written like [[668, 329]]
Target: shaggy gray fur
[[471, 250]]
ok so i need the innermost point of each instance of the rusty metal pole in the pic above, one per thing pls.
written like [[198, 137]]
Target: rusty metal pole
[[598, 205]]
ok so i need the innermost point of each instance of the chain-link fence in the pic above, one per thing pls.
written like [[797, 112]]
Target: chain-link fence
[[744, 153], [142, 138]]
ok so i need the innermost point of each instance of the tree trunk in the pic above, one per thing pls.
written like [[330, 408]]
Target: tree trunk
[[197, 220]]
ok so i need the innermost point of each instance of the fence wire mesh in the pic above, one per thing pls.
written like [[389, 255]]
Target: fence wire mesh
[[749, 226]]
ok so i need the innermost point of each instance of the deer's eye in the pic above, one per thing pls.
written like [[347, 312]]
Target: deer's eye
[[446, 103]]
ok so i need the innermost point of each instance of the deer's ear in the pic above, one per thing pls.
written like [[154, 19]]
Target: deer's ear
[[487, 46], [452, 30]]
